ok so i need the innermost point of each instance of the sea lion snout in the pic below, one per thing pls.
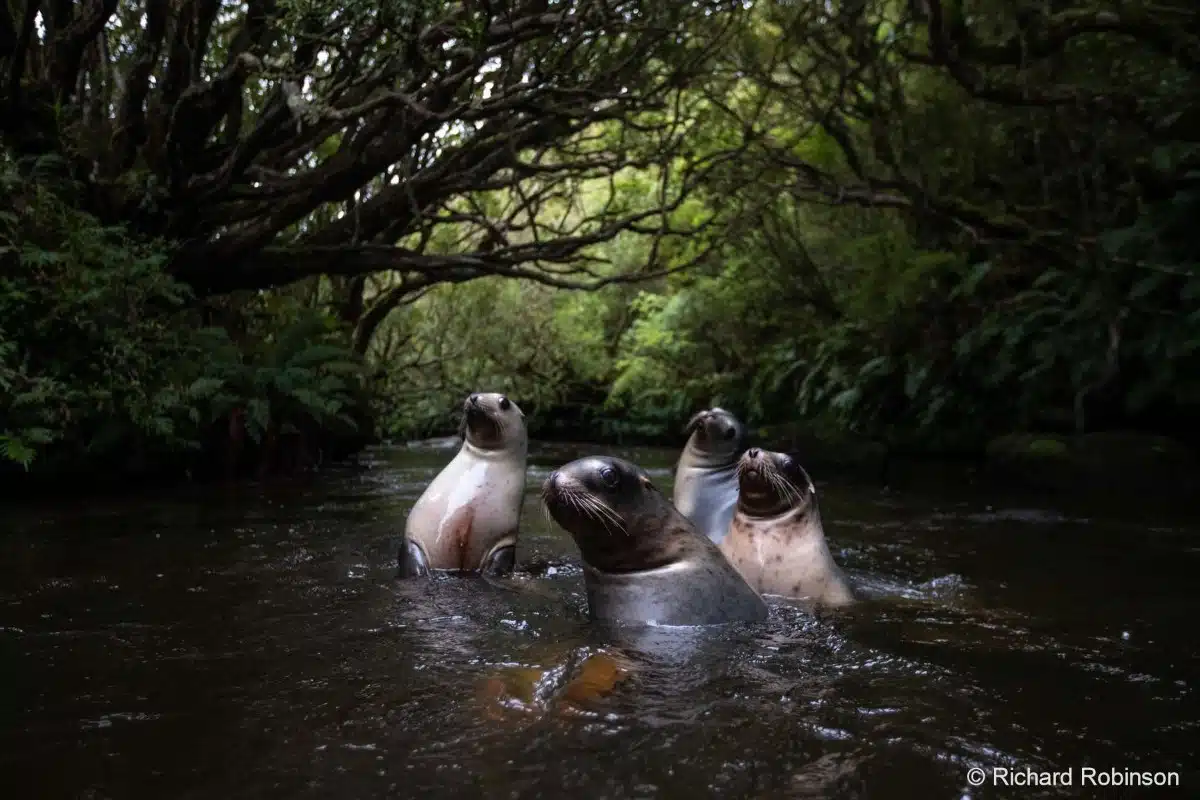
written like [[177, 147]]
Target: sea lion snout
[[558, 484], [751, 463], [473, 399]]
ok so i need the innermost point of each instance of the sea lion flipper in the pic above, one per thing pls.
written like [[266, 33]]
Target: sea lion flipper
[[413, 563], [499, 562]]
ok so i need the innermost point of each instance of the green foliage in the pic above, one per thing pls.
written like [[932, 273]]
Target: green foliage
[[101, 357], [491, 334], [297, 378], [88, 344], [898, 250]]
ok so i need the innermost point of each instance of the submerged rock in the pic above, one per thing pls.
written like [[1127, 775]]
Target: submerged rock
[[1107, 459]]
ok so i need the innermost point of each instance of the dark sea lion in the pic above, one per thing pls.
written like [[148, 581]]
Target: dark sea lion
[[776, 540], [706, 486], [467, 518], [643, 561]]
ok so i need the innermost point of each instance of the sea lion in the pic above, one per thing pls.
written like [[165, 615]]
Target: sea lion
[[776, 540], [643, 561], [467, 518], [706, 485]]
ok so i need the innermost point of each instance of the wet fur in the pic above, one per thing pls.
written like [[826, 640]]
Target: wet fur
[[705, 480], [480, 535], [643, 560], [776, 541]]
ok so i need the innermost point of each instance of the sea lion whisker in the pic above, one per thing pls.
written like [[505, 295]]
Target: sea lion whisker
[[586, 509], [786, 489], [604, 514], [778, 486], [585, 506]]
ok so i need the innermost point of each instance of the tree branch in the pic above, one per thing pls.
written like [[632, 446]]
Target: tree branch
[[1044, 36], [17, 66], [951, 51], [131, 125], [70, 45]]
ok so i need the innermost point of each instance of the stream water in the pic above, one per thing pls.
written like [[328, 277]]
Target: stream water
[[253, 642]]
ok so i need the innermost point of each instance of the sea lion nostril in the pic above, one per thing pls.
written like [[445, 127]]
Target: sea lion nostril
[[753, 452], [474, 399]]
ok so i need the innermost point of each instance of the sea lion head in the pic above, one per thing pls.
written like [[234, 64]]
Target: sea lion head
[[770, 484], [617, 516], [717, 436], [491, 421]]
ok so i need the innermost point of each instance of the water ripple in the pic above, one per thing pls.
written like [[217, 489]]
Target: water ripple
[[255, 643]]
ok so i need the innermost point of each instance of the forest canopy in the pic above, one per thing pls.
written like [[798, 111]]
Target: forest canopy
[[275, 223]]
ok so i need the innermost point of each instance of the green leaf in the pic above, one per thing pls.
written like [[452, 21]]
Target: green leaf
[[38, 435], [876, 366], [17, 451], [977, 274], [1145, 286], [205, 387], [914, 380], [846, 400], [319, 355], [1046, 278], [258, 415]]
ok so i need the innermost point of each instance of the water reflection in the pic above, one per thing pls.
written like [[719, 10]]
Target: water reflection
[[253, 642]]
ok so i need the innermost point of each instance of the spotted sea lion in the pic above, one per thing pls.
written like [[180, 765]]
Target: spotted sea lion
[[776, 540], [706, 486], [643, 561], [467, 518]]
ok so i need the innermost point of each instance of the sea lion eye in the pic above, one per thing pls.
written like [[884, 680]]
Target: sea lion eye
[[608, 475], [729, 433], [504, 404]]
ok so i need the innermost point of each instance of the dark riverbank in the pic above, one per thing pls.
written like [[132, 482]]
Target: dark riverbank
[[1142, 467], [1151, 466]]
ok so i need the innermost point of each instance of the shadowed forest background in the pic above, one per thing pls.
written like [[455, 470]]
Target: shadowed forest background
[[245, 238]]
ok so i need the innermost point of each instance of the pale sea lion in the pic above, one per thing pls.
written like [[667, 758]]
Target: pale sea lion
[[776, 540], [643, 561], [706, 485], [467, 518]]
